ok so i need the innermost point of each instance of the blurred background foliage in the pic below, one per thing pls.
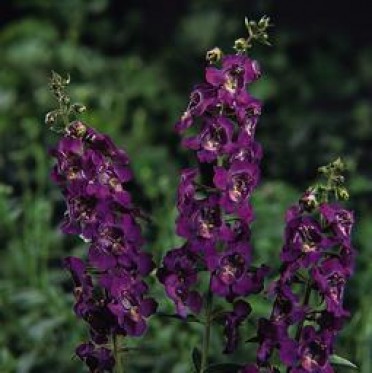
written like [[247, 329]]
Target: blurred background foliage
[[133, 64]]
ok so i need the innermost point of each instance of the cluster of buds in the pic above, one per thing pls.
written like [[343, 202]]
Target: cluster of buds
[[111, 295], [317, 258], [214, 204]]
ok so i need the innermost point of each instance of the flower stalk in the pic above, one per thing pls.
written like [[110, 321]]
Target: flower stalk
[[207, 330]]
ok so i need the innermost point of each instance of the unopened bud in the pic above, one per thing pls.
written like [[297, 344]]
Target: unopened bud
[[241, 45], [343, 194], [77, 129], [50, 118], [78, 108], [214, 55], [308, 201], [65, 100]]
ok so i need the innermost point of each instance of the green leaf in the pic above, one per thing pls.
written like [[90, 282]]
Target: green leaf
[[189, 318], [196, 359], [338, 360], [223, 368], [252, 339]]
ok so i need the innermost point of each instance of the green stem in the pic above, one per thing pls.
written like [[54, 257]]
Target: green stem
[[118, 361], [207, 331]]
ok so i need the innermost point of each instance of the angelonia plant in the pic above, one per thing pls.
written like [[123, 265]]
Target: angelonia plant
[[214, 198], [210, 277], [109, 287]]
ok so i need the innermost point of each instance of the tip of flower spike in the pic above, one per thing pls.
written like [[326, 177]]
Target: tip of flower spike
[[257, 31], [59, 119]]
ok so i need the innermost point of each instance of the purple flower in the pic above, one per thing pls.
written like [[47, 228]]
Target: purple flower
[[303, 241], [313, 352], [231, 273], [287, 306], [232, 321], [98, 359], [202, 97], [273, 334], [237, 184], [339, 219], [178, 274], [237, 71], [200, 221], [214, 139], [186, 188], [245, 150], [129, 306], [330, 277]]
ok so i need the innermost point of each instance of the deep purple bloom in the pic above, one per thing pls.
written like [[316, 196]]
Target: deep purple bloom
[[231, 272], [274, 334], [237, 71], [330, 277], [200, 221], [304, 241], [129, 306], [202, 97], [232, 321], [237, 184], [98, 359], [313, 352], [214, 139], [178, 274], [339, 219]]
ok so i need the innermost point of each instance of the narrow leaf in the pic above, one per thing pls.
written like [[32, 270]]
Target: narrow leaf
[[338, 360], [223, 368]]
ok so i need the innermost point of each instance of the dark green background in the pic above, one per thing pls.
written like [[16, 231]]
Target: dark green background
[[133, 64]]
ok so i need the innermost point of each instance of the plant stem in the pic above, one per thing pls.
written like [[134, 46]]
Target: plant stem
[[304, 303], [207, 330], [118, 362]]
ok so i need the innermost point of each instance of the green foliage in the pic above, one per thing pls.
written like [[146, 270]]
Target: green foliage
[[134, 77]]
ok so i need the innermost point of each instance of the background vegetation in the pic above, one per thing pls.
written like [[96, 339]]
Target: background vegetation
[[133, 64]]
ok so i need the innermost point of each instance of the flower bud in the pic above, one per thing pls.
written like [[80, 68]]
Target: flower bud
[[50, 118], [342, 193], [78, 108], [214, 55], [241, 45]]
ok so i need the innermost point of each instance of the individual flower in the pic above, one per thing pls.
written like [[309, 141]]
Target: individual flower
[[237, 184], [232, 321], [339, 219], [274, 334], [330, 278], [98, 359], [129, 305], [304, 241], [313, 352], [202, 97], [178, 274], [200, 222], [213, 140], [231, 274]]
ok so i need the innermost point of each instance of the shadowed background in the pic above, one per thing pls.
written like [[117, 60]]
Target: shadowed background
[[133, 63]]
